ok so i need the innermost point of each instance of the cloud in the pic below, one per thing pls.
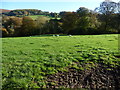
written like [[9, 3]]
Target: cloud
[[87, 1]]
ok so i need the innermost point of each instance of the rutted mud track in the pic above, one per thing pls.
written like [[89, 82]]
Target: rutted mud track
[[94, 78]]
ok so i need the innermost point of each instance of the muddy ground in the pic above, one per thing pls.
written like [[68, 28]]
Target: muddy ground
[[95, 78]]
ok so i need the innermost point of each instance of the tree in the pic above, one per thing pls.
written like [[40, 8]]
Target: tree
[[53, 26], [69, 20], [40, 23], [93, 23], [4, 32], [118, 8], [28, 26], [106, 10], [82, 11], [11, 24], [83, 20]]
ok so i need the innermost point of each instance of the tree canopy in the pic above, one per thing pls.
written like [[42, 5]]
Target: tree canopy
[[105, 19]]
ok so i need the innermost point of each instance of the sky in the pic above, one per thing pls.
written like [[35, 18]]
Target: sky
[[51, 5]]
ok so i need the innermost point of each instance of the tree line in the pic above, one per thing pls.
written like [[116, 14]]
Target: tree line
[[104, 20], [28, 12]]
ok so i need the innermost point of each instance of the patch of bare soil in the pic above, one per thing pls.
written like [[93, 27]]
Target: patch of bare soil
[[99, 77]]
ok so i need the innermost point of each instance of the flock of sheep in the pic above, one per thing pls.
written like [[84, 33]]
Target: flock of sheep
[[59, 35]]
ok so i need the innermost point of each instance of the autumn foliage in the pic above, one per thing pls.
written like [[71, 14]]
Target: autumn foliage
[[84, 21]]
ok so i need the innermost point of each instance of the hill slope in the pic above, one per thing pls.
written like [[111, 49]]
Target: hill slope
[[4, 10]]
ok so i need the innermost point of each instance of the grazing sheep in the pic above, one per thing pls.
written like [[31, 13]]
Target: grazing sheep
[[70, 35], [57, 35]]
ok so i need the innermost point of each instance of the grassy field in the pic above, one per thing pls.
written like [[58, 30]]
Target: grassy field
[[36, 16], [27, 60]]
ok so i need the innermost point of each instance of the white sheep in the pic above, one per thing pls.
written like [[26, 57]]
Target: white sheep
[[70, 35], [53, 35]]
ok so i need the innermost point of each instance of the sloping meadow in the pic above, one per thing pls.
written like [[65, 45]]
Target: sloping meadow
[[27, 61]]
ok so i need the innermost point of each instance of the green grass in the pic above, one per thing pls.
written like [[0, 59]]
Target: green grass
[[36, 16], [27, 60]]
